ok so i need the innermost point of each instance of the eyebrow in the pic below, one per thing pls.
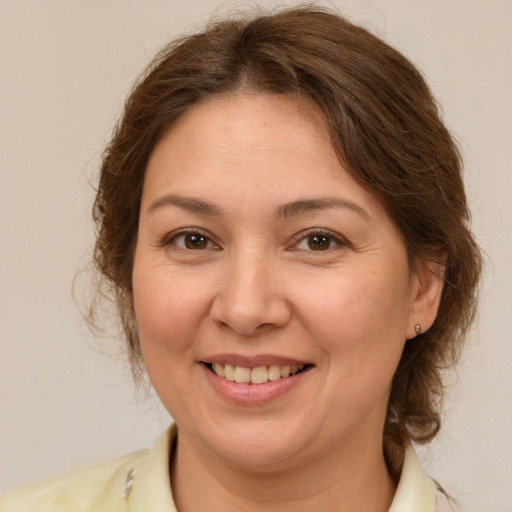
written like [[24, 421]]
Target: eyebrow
[[192, 204], [302, 206], [291, 209]]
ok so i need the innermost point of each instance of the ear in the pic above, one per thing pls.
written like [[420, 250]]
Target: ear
[[427, 289]]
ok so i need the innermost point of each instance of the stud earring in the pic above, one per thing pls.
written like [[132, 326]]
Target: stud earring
[[417, 328]]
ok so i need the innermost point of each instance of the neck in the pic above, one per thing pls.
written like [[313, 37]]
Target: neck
[[341, 481]]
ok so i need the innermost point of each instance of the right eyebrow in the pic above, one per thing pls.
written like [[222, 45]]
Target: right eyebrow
[[191, 204]]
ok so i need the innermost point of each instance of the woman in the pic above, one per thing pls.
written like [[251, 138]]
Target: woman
[[282, 218]]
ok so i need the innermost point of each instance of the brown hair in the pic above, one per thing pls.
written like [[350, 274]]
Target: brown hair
[[386, 130]]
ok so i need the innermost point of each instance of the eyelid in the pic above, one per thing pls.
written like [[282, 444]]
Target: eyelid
[[335, 237], [167, 240]]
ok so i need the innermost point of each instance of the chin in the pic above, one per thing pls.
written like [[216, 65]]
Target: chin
[[261, 446]]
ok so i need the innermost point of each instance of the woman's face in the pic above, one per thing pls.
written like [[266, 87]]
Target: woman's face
[[257, 256]]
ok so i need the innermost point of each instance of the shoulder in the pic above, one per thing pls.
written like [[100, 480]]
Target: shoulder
[[99, 487], [139, 481]]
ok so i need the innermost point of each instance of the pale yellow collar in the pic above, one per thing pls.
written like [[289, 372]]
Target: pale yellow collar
[[152, 485], [416, 492]]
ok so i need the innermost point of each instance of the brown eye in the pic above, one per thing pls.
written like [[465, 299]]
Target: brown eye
[[192, 241], [319, 242], [195, 241]]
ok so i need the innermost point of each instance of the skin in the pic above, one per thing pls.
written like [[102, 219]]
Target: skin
[[255, 287]]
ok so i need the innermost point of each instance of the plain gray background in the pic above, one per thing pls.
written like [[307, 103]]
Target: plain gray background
[[65, 69]]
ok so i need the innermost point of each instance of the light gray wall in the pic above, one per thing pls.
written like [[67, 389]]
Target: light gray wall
[[65, 68]]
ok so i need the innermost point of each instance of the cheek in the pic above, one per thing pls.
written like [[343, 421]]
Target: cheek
[[169, 309], [167, 315], [360, 324]]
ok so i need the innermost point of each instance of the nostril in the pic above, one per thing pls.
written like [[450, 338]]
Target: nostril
[[248, 308]]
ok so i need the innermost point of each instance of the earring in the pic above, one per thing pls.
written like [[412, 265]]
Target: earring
[[417, 328]]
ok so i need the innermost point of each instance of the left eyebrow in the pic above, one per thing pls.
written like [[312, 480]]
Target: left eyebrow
[[302, 206]]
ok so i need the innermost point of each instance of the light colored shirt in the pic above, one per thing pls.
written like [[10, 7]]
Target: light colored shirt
[[140, 483]]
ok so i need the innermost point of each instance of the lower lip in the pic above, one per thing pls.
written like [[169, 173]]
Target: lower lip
[[252, 394]]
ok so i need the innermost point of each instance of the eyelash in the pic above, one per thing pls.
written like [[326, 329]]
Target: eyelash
[[298, 239], [171, 239], [332, 237]]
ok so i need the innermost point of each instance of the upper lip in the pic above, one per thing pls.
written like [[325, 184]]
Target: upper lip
[[253, 361]]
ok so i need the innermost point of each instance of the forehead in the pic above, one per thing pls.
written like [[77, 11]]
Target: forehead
[[252, 117], [246, 133], [252, 151]]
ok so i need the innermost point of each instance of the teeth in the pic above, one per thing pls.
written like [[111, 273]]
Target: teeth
[[274, 372], [258, 375], [218, 369], [229, 372], [242, 374]]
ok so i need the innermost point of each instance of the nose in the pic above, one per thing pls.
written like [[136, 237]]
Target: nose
[[251, 298]]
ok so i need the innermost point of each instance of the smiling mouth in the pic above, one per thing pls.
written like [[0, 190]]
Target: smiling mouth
[[257, 375]]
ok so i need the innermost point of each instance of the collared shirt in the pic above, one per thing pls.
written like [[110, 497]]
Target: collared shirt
[[140, 483]]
